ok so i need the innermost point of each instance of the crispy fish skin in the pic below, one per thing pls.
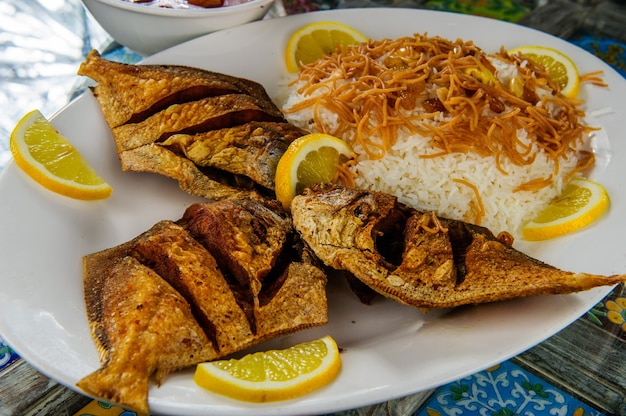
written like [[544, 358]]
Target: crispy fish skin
[[162, 301], [295, 301], [446, 264], [131, 93], [251, 149], [150, 331], [193, 117], [219, 136], [245, 236], [157, 159], [248, 239], [179, 259]]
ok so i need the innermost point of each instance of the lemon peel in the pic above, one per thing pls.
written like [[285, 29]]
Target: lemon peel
[[52, 161], [274, 375], [314, 40], [582, 202]]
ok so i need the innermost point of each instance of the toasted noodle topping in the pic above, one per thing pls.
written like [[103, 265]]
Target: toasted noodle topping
[[594, 78], [477, 207], [450, 91], [430, 223], [344, 175]]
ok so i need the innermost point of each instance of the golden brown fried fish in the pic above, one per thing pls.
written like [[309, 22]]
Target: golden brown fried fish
[[187, 292], [219, 136], [153, 158], [251, 150], [131, 93], [173, 254], [142, 326], [192, 117], [419, 259]]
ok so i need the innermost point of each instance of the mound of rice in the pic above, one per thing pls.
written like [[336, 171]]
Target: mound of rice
[[448, 184], [429, 184]]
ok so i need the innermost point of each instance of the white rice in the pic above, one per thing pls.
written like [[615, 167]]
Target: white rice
[[428, 184]]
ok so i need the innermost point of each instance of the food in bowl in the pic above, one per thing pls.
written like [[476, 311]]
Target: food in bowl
[[147, 30], [187, 4]]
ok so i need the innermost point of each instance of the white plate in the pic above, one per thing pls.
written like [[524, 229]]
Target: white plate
[[390, 350]]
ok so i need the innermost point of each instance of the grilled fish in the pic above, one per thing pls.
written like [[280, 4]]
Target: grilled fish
[[131, 93], [195, 290], [418, 258]]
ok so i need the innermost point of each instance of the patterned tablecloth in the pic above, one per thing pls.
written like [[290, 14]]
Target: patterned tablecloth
[[537, 382]]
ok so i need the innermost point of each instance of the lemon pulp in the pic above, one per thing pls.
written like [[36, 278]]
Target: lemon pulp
[[581, 203], [560, 67], [52, 161], [312, 41], [273, 375], [310, 159]]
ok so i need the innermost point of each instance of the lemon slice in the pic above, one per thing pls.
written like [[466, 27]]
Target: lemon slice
[[312, 41], [581, 203], [52, 161], [273, 375], [561, 68], [308, 160]]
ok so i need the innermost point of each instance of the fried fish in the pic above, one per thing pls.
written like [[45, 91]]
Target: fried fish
[[251, 149], [184, 263], [217, 135], [143, 328], [157, 159], [194, 117], [418, 258], [131, 93], [195, 290]]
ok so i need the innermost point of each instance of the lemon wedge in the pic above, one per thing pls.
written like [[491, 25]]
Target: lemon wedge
[[273, 375], [561, 68], [310, 159], [312, 41], [582, 202], [52, 161]]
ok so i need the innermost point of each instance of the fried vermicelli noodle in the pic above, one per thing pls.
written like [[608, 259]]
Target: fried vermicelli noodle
[[462, 99]]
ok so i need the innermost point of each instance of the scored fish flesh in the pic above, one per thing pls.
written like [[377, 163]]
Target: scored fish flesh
[[226, 276], [217, 135], [131, 93]]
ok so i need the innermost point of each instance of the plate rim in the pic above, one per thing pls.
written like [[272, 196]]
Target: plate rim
[[158, 404]]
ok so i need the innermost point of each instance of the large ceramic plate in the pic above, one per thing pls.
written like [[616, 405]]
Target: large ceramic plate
[[389, 350]]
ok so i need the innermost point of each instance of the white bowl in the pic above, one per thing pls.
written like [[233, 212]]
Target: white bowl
[[149, 29]]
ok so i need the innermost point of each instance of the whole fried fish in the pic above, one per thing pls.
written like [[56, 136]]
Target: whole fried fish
[[224, 277], [217, 135], [418, 258]]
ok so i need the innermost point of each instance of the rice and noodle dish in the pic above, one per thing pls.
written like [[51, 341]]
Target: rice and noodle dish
[[446, 127]]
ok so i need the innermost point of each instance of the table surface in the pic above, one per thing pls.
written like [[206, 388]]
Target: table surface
[[579, 371]]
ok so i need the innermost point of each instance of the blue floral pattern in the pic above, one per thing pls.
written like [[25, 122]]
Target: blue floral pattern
[[503, 390]]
